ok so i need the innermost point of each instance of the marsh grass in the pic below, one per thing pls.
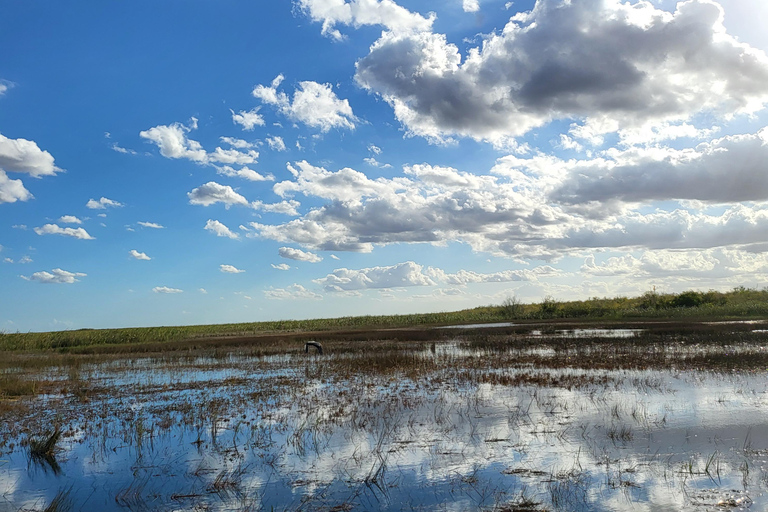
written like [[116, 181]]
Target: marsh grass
[[61, 502], [42, 450]]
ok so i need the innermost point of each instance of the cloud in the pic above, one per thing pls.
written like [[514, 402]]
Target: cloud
[[293, 292], [730, 169], [285, 207], [248, 120], [152, 225], [165, 289], [139, 255], [244, 172], [607, 64], [276, 143], [54, 229], [102, 204], [375, 163], [116, 147], [281, 266], [57, 276], [173, 142], [229, 269], [12, 190], [363, 12], [203, 291], [432, 204], [464, 277], [313, 104], [70, 219], [236, 143], [213, 192], [25, 156], [395, 276], [220, 229], [470, 5], [298, 255]]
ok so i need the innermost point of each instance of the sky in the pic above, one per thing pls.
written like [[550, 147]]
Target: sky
[[196, 162]]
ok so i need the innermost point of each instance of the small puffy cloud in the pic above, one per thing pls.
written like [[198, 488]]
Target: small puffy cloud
[[298, 255], [220, 229], [174, 143], [313, 104], [395, 276], [293, 292], [230, 269], [248, 119], [203, 291], [55, 229], [102, 204], [357, 13], [213, 192], [56, 276], [375, 163], [276, 143], [376, 150], [470, 5], [25, 156], [236, 143], [152, 225], [139, 255], [70, 219], [281, 266], [289, 207], [12, 190], [244, 173], [25, 259], [165, 289]]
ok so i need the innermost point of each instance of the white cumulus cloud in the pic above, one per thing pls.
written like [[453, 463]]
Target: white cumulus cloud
[[70, 219], [213, 192], [139, 255], [57, 276], [395, 276], [313, 104], [298, 255], [102, 204], [55, 229], [610, 64], [166, 289], [248, 119], [293, 292], [230, 269], [152, 225], [220, 229]]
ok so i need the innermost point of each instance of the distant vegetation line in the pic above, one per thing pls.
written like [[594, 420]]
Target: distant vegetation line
[[738, 303]]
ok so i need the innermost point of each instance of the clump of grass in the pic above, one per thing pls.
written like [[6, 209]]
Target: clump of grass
[[13, 386], [62, 502], [43, 450], [45, 446]]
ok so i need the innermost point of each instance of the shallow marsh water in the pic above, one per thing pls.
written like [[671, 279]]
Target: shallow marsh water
[[463, 424]]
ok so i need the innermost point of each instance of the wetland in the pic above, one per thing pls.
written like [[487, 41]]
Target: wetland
[[647, 415]]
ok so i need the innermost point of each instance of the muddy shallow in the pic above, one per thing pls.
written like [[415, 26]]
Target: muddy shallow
[[495, 422]]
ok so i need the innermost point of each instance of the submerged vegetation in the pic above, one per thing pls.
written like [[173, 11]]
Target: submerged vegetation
[[738, 303]]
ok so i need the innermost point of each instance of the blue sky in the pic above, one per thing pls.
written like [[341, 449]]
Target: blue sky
[[171, 162]]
